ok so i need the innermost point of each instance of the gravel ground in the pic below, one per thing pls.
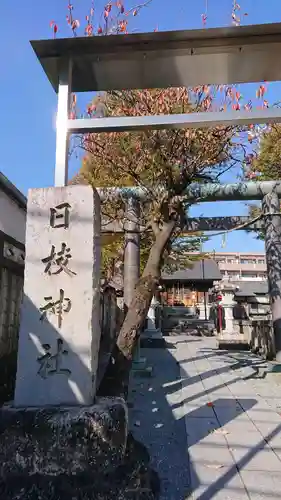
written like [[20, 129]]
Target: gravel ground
[[153, 422]]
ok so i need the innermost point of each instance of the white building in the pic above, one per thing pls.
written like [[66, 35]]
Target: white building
[[241, 266]]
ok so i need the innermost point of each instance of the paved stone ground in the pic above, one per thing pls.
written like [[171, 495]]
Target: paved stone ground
[[212, 424]]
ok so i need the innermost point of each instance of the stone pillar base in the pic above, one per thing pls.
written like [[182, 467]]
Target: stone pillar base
[[61, 453], [152, 338], [81, 453]]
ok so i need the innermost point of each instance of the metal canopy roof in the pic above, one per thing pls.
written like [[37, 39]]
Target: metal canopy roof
[[207, 271], [160, 60]]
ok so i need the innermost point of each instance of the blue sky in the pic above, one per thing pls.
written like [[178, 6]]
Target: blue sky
[[28, 103]]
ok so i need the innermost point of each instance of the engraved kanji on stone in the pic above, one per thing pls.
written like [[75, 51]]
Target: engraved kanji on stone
[[58, 307], [56, 262], [59, 212], [51, 364]]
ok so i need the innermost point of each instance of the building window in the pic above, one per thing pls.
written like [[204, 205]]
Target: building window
[[261, 261], [249, 275], [248, 261], [233, 275]]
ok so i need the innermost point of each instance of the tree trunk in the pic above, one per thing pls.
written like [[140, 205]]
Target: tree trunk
[[116, 379]]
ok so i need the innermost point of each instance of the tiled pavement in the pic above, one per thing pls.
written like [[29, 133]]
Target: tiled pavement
[[212, 424]]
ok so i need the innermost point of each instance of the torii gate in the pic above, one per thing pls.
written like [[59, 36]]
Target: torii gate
[[159, 60]]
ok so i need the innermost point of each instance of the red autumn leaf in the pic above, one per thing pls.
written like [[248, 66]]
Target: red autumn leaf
[[236, 106], [123, 26], [73, 25], [89, 30], [261, 91], [54, 27], [204, 19], [91, 108]]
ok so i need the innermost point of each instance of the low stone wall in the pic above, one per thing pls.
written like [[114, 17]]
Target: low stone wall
[[262, 338], [179, 322]]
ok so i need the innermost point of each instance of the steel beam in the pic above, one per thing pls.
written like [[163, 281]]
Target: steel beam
[[200, 224], [124, 193], [272, 218], [199, 193], [237, 54], [231, 192], [189, 120], [62, 134], [151, 60]]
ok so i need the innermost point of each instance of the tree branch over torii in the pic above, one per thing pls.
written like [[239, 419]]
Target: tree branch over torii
[[164, 162]]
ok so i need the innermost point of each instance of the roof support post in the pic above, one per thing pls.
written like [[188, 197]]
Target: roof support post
[[272, 225], [62, 134]]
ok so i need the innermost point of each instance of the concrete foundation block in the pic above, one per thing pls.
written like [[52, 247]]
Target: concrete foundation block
[[47, 451], [152, 339]]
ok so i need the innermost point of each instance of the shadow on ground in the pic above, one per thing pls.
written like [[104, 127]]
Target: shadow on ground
[[170, 424]]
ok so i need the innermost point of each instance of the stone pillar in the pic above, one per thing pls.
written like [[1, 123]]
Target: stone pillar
[[151, 329], [272, 225], [228, 303], [54, 438], [132, 261], [131, 251], [152, 336], [60, 328], [151, 316]]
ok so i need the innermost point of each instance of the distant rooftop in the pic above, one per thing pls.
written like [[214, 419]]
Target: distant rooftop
[[220, 253], [12, 191], [206, 270], [239, 253], [251, 288], [236, 54]]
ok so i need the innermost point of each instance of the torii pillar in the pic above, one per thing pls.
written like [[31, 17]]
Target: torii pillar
[[272, 225]]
